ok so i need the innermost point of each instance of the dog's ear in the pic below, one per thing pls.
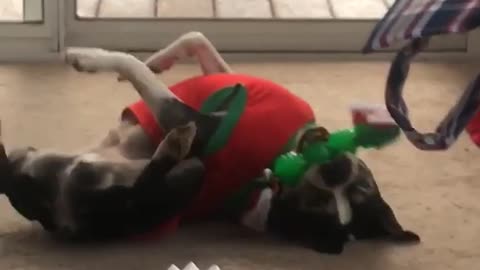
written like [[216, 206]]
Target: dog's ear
[[393, 228], [372, 216], [374, 219]]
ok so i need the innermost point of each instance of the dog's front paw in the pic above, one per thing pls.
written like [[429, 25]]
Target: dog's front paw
[[88, 59], [178, 141]]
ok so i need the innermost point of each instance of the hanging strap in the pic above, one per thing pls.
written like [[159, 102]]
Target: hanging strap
[[452, 124]]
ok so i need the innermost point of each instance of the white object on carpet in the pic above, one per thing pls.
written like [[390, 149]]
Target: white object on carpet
[[192, 266]]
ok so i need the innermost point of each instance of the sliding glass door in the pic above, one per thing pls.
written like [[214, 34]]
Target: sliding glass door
[[233, 25], [33, 29], [28, 28]]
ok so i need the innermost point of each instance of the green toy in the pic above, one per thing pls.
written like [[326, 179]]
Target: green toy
[[373, 128]]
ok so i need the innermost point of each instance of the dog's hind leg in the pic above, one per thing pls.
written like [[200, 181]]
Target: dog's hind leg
[[192, 44], [182, 177], [154, 92], [169, 110], [167, 184]]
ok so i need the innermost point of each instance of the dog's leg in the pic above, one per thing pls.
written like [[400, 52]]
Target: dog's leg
[[166, 185], [372, 216], [181, 178], [192, 44], [154, 92], [169, 110]]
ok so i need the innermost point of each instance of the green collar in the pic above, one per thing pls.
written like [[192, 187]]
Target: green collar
[[235, 98]]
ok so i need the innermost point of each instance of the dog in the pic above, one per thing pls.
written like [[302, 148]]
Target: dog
[[129, 183]]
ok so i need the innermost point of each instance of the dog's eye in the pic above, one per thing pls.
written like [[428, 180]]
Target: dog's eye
[[313, 135], [363, 185], [322, 134], [359, 191], [316, 134]]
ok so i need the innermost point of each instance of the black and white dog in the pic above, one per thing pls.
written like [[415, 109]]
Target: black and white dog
[[127, 185]]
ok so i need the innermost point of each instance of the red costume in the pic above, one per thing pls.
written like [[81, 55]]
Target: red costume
[[270, 118]]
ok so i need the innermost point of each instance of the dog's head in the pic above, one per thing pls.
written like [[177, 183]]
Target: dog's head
[[83, 196], [360, 205], [346, 187]]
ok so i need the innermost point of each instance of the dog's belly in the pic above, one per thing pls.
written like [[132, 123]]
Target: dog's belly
[[271, 117]]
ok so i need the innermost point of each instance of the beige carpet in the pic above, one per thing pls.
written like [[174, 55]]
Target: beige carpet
[[434, 194]]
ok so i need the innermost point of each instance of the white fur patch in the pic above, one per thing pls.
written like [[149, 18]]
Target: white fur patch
[[106, 182], [89, 157], [192, 266], [256, 218], [64, 214], [30, 159], [343, 206]]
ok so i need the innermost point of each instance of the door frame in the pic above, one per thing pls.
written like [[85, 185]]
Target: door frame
[[36, 39], [294, 36], [239, 39]]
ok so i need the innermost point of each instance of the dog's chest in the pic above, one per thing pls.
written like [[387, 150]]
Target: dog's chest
[[103, 169], [125, 142]]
